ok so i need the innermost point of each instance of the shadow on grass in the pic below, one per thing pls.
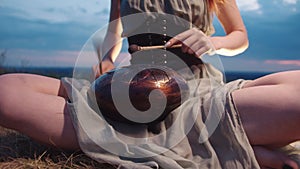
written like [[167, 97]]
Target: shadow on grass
[[19, 151]]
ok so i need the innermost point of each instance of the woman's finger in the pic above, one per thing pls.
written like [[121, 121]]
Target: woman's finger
[[191, 52], [184, 48], [202, 51], [178, 38], [171, 42]]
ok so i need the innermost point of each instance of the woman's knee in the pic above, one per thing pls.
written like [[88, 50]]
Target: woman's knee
[[291, 78], [274, 102], [8, 78], [8, 83], [13, 81], [295, 81], [291, 81], [35, 83], [8, 90], [13, 87]]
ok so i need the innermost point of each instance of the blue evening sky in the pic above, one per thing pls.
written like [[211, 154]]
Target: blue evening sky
[[52, 33]]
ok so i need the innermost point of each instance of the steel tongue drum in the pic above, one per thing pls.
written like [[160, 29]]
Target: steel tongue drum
[[139, 94]]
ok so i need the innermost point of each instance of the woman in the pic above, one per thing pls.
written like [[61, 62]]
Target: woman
[[37, 105]]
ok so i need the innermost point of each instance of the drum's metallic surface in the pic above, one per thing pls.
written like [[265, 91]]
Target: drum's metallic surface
[[171, 85]]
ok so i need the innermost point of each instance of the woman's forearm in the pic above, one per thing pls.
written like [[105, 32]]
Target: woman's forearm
[[236, 39], [113, 42], [112, 46], [232, 44]]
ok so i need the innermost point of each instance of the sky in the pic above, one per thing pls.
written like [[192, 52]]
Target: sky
[[52, 33]]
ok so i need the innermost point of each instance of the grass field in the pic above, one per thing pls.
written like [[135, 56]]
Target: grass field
[[18, 151]]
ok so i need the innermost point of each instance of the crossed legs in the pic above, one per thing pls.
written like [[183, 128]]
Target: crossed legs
[[269, 108]]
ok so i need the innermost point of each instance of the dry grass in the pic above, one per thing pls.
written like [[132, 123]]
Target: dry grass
[[18, 151]]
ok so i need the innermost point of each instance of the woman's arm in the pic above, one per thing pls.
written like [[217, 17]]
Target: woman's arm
[[234, 42], [112, 43], [236, 39]]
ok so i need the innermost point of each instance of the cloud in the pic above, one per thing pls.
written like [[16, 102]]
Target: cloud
[[51, 25], [56, 11], [45, 27], [254, 65], [18, 33], [292, 2], [18, 57], [284, 62], [57, 58], [263, 7], [248, 5]]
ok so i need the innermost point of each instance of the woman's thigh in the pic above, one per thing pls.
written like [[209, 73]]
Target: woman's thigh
[[36, 106], [269, 108]]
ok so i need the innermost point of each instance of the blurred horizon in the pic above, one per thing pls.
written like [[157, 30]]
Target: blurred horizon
[[51, 34]]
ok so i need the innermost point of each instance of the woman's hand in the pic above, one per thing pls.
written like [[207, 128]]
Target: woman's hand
[[193, 41]]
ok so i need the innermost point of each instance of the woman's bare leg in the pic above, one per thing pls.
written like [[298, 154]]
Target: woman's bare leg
[[36, 106], [270, 109]]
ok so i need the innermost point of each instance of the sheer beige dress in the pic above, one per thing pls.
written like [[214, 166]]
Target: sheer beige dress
[[204, 132]]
